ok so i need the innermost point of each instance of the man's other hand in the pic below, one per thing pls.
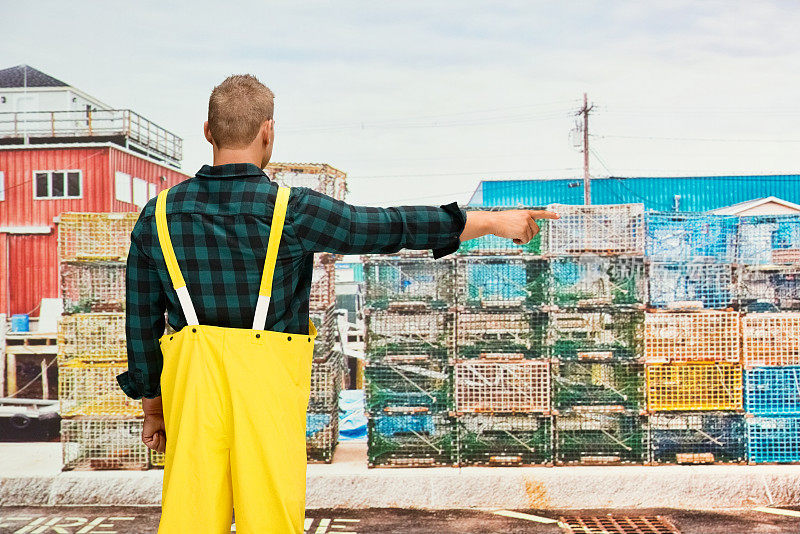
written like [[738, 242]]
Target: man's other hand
[[154, 434]]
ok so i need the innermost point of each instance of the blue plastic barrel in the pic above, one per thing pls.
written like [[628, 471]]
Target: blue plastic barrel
[[20, 322]]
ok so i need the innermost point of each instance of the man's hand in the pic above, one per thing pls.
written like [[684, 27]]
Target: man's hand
[[154, 434], [517, 225]]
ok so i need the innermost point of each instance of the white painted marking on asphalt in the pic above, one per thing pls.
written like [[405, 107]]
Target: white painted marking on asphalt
[[777, 511], [527, 517]]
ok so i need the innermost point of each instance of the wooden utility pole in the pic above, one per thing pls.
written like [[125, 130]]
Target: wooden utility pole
[[587, 180]]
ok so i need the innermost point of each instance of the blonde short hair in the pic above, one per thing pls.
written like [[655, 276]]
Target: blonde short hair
[[237, 108]]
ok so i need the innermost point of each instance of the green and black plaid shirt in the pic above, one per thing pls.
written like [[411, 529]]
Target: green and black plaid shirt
[[219, 222]]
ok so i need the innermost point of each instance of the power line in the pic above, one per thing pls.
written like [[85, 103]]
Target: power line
[[424, 175], [715, 139]]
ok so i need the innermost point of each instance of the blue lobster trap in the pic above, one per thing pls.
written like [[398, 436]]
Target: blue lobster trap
[[773, 439], [676, 236], [711, 284], [501, 282], [773, 390], [769, 239], [410, 440]]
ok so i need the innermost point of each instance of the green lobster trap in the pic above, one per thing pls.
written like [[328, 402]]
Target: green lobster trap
[[408, 283], [411, 440], [591, 281], [595, 335], [92, 286], [598, 386], [398, 335], [600, 438], [398, 387], [487, 334], [504, 440], [327, 378]]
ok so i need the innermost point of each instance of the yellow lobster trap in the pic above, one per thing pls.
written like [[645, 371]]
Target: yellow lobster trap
[[91, 389], [694, 386]]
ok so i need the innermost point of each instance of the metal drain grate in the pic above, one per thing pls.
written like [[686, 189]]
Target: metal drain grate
[[617, 524]]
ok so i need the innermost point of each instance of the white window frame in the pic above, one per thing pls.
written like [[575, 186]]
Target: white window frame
[[50, 184], [129, 179], [152, 190], [2, 186]]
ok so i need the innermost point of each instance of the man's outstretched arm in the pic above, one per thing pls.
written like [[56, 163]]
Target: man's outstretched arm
[[324, 224]]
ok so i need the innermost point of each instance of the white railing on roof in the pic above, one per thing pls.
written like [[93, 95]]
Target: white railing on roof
[[97, 123]]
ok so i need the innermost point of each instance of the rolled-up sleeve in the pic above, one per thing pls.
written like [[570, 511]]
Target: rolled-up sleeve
[[145, 303], [325, 224]]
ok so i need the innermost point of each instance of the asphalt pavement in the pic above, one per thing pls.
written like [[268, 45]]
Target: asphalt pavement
[[144, 520]]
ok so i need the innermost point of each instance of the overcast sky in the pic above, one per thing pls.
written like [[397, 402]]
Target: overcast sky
[[419, 101]]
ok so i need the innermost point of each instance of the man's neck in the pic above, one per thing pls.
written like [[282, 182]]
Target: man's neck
[[225, 156]]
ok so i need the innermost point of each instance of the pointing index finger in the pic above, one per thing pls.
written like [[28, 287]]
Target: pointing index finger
[[543, 214]]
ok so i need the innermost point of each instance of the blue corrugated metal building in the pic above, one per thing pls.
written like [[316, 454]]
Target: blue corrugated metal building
[[689, 193]]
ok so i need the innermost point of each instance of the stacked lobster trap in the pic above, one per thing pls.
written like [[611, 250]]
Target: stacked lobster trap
[[409, 340], [771, 355], [768, 261], [327, 380], [501, 372], [692, 339], [595, 308], [100, 427]]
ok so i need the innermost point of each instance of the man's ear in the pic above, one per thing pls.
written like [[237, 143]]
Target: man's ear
[[207, 133], [266, 130]]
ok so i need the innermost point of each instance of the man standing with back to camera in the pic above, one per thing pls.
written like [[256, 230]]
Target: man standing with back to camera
[[225, 396]]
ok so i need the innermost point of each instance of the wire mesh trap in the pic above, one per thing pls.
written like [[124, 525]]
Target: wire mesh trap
[[327, 376], [502, 386], [491, 244], [694, 386], [95, 236], [692, 336], [773, 390], [769, 239], [616, 229], [92, 286], [678, 237], [403, 336], [595, 335], [589, 281], [409, 283], [322, 435], [598, 386], [599, 438], [773, 439], [716, 437], [103, 442], [705, 285], [92, 389], [320, 177], [504, 440], [323, 283], [92, 337], [410, 440], [422, 386], [501, 282], [772, 287], [485, 333], [771, 339]]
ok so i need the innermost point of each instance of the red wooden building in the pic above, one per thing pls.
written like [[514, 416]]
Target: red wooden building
[[93, 158]]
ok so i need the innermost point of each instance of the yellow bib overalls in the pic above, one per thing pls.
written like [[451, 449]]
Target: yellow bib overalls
[[234, 403]]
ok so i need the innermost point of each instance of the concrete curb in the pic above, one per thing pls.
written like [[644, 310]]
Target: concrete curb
[[347, 483]]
